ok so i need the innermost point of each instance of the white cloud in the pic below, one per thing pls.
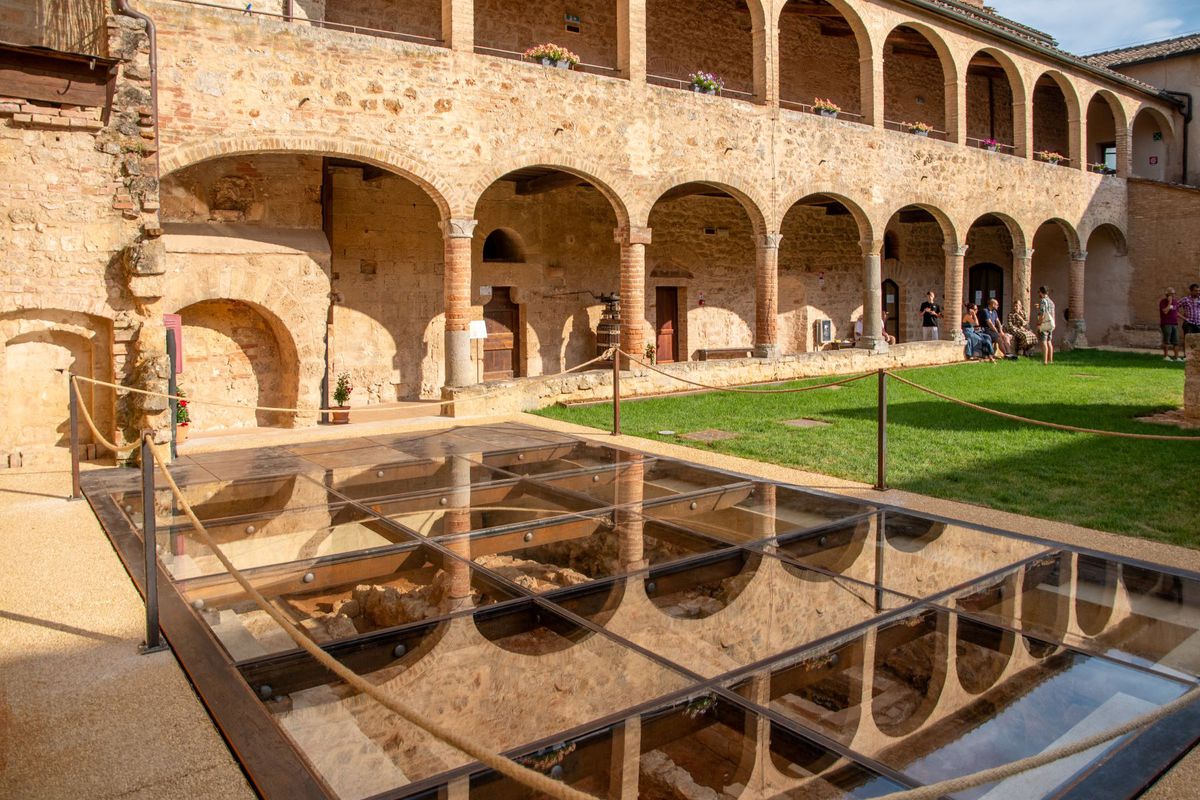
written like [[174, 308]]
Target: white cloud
[[1085, 26]]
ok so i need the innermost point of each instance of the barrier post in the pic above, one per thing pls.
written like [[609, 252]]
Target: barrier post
[[881, 444], [616, 431], [73, 409], [153, 643]]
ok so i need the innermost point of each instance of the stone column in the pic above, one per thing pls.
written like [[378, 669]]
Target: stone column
[[1022, 279], [766, 296], [458, 24], [1076, 333], [956, 110], [872, 338], [952, 309], [1076, 138], [870, 78], [765, 41], [457, 291], [633, 240], [631, 40]]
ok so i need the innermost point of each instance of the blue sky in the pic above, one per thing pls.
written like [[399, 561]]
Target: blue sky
[[1085, 26]]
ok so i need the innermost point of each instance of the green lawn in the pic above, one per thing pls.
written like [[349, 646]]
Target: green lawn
[[1143, 488]]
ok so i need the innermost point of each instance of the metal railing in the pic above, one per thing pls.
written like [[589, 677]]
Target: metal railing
[[811, 109], [382, 33], [999, 147], [513, 55], [904, 127], [682, 83]]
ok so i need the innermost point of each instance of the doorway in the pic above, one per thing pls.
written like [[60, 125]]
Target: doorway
[[891, 307], [501, 348], [986, 282], [666, 325]]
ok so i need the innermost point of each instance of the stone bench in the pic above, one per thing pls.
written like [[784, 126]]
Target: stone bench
[[722, 353]]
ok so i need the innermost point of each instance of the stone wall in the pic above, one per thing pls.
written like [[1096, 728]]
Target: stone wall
[[914, 87], [990, 109], [1050, 119]]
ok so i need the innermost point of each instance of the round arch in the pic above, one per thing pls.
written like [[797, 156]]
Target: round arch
[[1114, 105], [944, 53], [1015, 231], [386, 158], [1016, 80], [1151, 140], [1108, 284], [865, 228], [950, 235], [749, 199], [896, 111], [985, 118], [862, 35], [1067, 87], [593, 172], [1074, 242]]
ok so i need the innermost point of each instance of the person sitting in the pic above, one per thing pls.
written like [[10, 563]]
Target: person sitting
[[978, 345], [1017, 327], [887, 337], [989, 318]]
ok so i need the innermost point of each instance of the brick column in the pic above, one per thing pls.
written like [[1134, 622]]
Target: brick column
[[872, 338], [631, 40], [1191, 377], [458, 24], [956, 110], [457, 291], [1076, 333], [870, 78], [633, 241], [766, 296], [952, 310], [1124, 152], [1076, 142], [456, 524], [765, 42], [1022, 279], [1022, 135], [1026, 135]]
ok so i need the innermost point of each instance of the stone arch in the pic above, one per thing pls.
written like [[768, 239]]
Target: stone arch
[[595, 173], [504, 245], [754, 204], [372, 153], [866, 229], [1018, 90], [1015, 230], [862, 35], [950, 75], [1073, 122], [1074, 243], [950, 236]]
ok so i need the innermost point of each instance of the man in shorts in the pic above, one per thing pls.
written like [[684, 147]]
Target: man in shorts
[[930, 312], [1045, 324], [1168, 323], [1189, 313]]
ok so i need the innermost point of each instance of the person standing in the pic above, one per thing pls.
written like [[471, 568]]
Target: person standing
[[1189, 312], [930, 312], [1046, 324], [1168, 323]]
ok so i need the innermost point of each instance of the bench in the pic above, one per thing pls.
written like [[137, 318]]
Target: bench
[[719, 353]]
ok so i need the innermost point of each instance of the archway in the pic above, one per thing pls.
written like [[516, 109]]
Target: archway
[[236, 354], [1108, 286], [1102, 127], [1053, 245], [1052, 119], [821, 46], [990, 246], [713, 36], [915, 75], [1151, 145], [919, 266], [991, 101]]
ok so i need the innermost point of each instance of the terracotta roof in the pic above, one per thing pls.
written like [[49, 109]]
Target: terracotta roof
[[1166, 48], [988, 16]]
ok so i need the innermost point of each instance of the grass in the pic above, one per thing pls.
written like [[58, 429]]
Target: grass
[[1148, 489]]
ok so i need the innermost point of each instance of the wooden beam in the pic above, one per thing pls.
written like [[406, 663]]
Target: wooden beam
[[34, 76], [548, 183]]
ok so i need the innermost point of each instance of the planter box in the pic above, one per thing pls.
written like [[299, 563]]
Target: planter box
[[829, 114], [341, 415]]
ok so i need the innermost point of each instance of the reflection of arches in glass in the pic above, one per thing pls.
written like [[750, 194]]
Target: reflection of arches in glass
[[824, 692], [1095, 591], [911, 534], [909, 672], [700, 589], [1045, 603], [504, 246], [680, 739], [1149, 589], [528, 630], [982, 653], [835, 550]]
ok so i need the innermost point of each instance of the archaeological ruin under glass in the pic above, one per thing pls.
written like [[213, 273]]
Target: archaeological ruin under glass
[[638, 626]]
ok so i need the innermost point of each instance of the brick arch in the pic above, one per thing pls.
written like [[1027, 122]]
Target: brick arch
[[466, 202], [1120, 241], [751, 201], [95, 304], [1074, 243], [1015, 230], [1120, 118], [1146, 108], [861, 218], [862, 35], [1066, 86], [931, 34], [950, 235], [387, 158], [1016, 80]]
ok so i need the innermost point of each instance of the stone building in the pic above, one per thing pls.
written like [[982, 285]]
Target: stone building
[[320, 187]]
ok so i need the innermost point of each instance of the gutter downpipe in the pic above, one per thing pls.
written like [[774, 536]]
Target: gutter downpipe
[[123, 7], [1187, 123]]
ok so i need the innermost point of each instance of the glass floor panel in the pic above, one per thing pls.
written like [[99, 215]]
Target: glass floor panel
[[564, 457], [642, 481], [212, 499], [369, 482]]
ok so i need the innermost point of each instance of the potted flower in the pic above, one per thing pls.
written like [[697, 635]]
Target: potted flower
[[1049, 156], [706, 83], [1102, 169], [341, 396], [826, 107], [650, 351], [552, 55], [918, 128], [989, 144], [183, 417]]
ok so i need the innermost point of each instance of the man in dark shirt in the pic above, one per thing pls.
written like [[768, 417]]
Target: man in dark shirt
[[930, 312]]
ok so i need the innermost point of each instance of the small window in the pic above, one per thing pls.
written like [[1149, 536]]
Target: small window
[[1108, 155], [504, 247]]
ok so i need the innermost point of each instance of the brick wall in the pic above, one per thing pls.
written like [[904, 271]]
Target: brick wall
[[517, 26], [914, 87], [1164, 245], [416, 17], [1050, 119], [711, 35], [812, 65]]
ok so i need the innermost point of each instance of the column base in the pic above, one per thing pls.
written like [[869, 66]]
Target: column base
[[879, 345], [953, 335], [766, 351], [1075, 336]]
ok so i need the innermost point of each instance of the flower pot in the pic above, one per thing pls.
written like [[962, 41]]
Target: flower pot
[[548, 62], [341, 415], [830, 114], [1052, 162], [563, 64], [921, 133], [181, 433], [991, 148]]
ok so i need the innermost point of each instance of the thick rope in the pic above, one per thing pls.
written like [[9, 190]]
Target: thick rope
[[652, 368], [504, 766], [100, 437], [933, 791], [424, 408], [1054, 425]]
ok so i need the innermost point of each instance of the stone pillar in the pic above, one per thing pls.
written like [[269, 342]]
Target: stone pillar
[[631, 40], [457, 291], [956, 110], [1191, 377], [633, 241], [458, 24], [765, 41], [952, 310], [766, 296], [1076, 136], [1076, 332], [872, 338], [1022, 279], [870, 78], [1022, 130]]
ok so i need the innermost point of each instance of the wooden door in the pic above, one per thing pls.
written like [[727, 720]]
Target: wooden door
[[501, 349], [891, 304], [666, 325], [986, 281]]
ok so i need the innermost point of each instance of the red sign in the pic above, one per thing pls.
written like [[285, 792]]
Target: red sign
[[174, 324], [1153, 161]]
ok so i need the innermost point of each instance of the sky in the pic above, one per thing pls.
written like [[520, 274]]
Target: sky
[[1086, 26]]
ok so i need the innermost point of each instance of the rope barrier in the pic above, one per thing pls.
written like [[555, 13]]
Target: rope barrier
[[932, 791], [1041, 423], [100, 437], [652, 368], [504, 766]]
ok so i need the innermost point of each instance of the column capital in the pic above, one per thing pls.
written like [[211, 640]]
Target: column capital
[[769, 241], [1023, 254], [458, 228], [1079, 255], [956, 250], [632, 234], [871, 247]]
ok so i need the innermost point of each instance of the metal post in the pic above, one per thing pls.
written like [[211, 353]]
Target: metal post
[[881, 472], [173, 389], [73, 408], [616, 393], [154, 642]]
